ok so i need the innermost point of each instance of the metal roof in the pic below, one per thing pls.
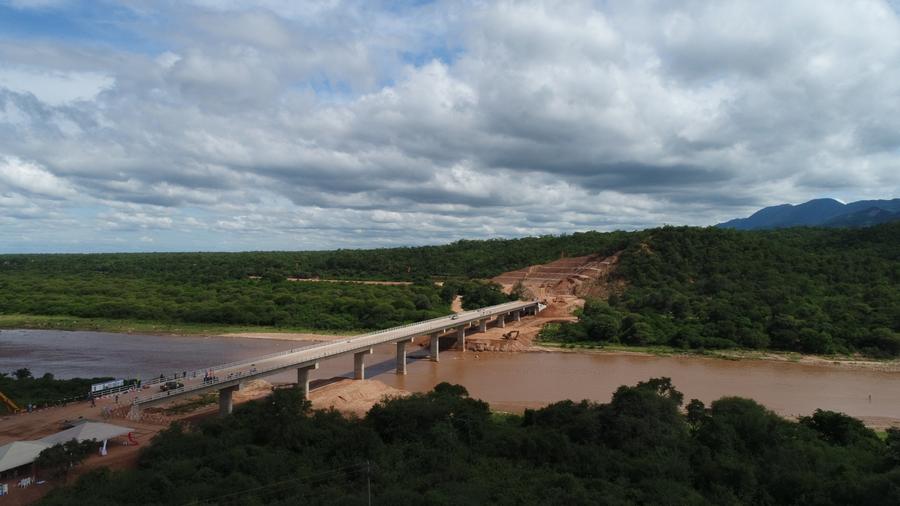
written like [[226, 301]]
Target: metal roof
[[86, 431], [19, 453]]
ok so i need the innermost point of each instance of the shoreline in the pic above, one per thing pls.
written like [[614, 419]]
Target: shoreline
[[853, 362], [78, 324], [287, 336]]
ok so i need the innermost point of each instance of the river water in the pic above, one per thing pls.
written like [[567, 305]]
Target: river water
[[509, 381]]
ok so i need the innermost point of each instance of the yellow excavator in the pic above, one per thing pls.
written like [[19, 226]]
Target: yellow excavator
[[12, 406], [513, 334]]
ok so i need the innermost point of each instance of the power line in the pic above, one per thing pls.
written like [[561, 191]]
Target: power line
[[281, 483]]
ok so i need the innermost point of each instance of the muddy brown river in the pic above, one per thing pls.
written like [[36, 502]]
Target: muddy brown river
[[508, 381]]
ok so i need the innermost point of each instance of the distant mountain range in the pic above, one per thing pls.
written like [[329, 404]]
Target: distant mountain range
[[820, 213]]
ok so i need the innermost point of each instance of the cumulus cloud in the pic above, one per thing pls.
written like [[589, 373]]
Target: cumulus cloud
[[19, 176], [228, 125]]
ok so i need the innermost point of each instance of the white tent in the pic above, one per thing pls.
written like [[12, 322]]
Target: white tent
[[87, 431], [20, 453]]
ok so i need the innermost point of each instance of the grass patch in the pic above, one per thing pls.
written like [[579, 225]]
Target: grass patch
[[594, 345], [505, 418], [196, 403], [50, 322]]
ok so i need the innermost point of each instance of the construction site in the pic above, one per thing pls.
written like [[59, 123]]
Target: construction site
[[562, 285]]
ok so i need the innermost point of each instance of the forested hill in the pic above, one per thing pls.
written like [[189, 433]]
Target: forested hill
[[809, 290], [474, 259]]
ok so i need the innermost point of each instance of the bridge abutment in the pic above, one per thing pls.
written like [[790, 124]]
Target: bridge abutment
[[359, 363], [303, 378]]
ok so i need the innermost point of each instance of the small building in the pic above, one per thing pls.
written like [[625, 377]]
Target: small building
[[15, 456]]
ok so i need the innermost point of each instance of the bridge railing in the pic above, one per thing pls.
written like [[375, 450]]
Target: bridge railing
[[314, 352], [194, 373]]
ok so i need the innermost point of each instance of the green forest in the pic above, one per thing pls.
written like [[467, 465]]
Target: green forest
[[24, 389], [461, 259], [310, 305], [810, 290], [443, 447]]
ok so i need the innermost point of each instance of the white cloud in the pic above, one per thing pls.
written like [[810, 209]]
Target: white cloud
[[55, 87], [357, 123], [21, 176]]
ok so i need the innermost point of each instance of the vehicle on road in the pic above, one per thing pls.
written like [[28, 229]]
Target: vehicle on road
[[170, 385]]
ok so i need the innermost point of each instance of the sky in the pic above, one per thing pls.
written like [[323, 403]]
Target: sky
[[204, 125]]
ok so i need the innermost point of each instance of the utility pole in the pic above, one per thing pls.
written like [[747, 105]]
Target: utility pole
[[369, 480]]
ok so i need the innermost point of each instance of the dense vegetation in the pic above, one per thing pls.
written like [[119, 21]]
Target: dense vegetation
[[475, 294], [23, 388], [446, 448], [808, 290], [57, 460], [464, 259], [284, 303]]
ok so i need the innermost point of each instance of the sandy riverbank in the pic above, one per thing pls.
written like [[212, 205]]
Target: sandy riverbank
[[287, 336], [860, 363]]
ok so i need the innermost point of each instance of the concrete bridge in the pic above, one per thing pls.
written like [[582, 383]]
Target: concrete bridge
[[227, 378]]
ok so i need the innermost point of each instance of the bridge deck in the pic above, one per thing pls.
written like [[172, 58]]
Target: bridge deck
[[227, 375]]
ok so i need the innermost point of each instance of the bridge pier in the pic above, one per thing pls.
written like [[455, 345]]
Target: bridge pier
[[303, 378], [482, 326], [226, 405], [435, 346], [401, 355], [461, 338], [359, 363], [501, 321], [517, 316]]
